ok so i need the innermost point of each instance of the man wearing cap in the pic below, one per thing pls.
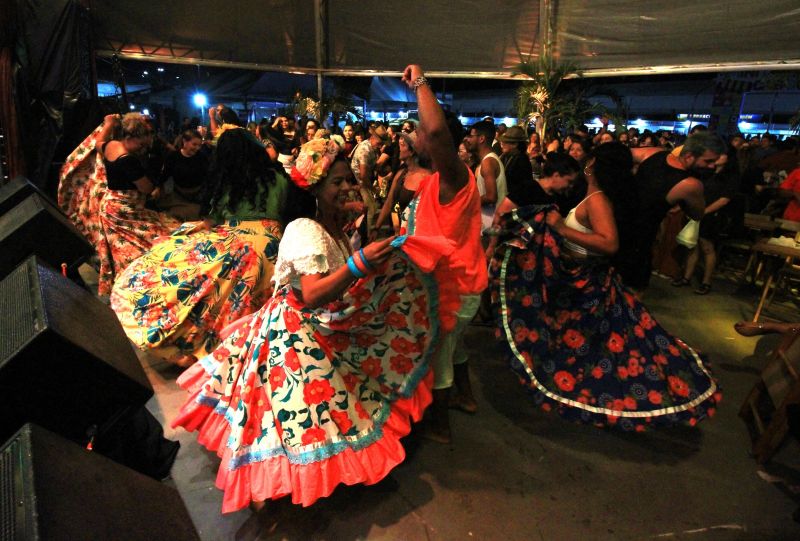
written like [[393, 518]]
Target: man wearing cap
[[365, 157]]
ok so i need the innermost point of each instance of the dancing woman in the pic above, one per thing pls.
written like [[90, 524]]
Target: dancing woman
[[318, 387], [578, 340], [405, 181], [103, 189], [175, 300]]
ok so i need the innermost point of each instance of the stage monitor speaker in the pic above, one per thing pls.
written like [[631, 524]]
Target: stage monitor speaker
[[35, 226], [55, 490], [65, 362], [16, 191]]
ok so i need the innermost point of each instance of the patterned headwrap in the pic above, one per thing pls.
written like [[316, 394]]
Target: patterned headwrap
[[315, 159]]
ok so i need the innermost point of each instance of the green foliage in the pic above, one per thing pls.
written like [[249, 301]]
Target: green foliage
[[337, 104], [544, 100]]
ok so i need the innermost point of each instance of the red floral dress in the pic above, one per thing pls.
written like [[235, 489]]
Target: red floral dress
[[298, 400], [115, 222], [583, 344]]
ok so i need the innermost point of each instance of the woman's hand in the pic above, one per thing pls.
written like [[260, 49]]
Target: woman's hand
[[110, 120], [378, 252], [554, 220]]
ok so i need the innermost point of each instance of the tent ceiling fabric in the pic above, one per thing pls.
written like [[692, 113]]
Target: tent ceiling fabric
[[459, 37], [276, 33], [607, 35]]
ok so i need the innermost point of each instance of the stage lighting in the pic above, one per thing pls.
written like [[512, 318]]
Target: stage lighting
[[200, 100]]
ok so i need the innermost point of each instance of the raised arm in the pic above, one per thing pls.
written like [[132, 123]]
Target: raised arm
[[109, 123], [437, 141], [388, 205]]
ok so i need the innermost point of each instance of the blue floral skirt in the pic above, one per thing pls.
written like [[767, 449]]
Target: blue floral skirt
[[583, 344]]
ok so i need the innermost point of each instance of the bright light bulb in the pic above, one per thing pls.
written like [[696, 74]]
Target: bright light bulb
[[200, 100]]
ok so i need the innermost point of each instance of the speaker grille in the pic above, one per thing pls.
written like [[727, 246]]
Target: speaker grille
[[8, 520], [19, 310]]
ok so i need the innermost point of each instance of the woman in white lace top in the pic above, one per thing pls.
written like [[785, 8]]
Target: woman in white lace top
[[318, 387]]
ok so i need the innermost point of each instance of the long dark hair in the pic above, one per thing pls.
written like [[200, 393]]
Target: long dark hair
[[239, 166], [613, 168]]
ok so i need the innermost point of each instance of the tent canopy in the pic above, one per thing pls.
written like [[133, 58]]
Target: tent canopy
[[468, 38]]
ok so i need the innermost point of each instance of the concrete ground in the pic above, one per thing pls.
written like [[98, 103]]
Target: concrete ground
[[514, 472]]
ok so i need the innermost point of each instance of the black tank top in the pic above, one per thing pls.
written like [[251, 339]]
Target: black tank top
[[404, 195], [122, 172]]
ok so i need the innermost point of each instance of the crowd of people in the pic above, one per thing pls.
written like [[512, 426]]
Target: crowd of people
[[316, 282]]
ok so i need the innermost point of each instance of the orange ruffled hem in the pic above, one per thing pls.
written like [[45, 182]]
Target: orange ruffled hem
[[276, 477]]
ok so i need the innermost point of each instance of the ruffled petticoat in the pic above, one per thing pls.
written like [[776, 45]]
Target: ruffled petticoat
[[297, 401]]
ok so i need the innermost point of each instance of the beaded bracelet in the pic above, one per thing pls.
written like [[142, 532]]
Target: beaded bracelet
[[364, 260], [353, 268], [418, 82]]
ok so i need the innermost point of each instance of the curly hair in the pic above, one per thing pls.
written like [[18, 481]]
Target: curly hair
[[135, 125], [239, 166]]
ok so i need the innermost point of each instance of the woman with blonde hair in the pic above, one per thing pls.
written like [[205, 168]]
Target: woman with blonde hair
[[103, 189]]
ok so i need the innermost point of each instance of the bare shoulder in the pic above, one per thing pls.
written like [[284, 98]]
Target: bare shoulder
[[598, 202], [113, 150], [640, 154]]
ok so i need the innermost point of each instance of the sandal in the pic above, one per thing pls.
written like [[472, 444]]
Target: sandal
[[680, 282], [704, 289]]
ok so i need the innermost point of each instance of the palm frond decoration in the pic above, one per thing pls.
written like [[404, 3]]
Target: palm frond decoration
[[538, 100]]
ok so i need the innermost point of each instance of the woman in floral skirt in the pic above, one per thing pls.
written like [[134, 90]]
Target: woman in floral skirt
[[318, 387], [578, 339], [175, 300], [103, 188]]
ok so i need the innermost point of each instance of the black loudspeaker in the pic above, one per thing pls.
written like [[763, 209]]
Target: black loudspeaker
[[35, 226], [52, 489], [16, 191], [65, 362]]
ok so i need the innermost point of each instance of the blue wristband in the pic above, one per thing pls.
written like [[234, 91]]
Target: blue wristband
[[352, 266], [365, 260]]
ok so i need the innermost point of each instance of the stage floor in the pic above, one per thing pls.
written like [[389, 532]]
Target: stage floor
[[516, 473]]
